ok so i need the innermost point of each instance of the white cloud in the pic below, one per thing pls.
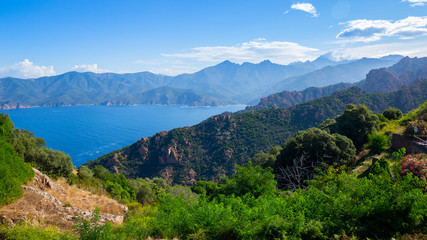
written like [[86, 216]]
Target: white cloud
[[363, 30], [253, 51], [415, 3], [414, 48], [306, 7], [89, 68], [26, 69]]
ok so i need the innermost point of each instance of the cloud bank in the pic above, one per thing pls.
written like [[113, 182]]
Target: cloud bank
[[26, 69], [363, 30], [89, 68], [306, 7], [253, 51], [415, 3]]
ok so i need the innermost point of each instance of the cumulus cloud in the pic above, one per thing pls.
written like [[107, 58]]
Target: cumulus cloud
[[252, 51], [415, 3], [363, 30], [89, 68], [306, 7], [26, 69]]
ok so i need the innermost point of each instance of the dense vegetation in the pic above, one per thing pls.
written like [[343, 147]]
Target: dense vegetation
[[388, 200], [13, 170], [210, 150]]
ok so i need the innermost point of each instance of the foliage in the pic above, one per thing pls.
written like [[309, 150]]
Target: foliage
[[392, 113], [308, 150], [13, 170], [52, 162], [26, 231], [13, 173], [33, 150], [382, 166], [399, 154], [115, 184], [317, 146], [334, 204], [356, 123], [377, 142], [415, 164], [249, 179], [93, 229], [267, 159]]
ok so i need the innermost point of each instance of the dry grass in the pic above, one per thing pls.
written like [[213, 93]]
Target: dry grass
[[86, 200], [36, 209]]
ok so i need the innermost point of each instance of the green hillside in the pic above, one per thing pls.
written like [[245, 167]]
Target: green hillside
[[210, 149]]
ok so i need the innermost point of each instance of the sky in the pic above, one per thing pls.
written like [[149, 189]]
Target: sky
[[50, 37]]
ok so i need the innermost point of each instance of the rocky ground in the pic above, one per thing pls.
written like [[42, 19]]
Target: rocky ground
[[56, 203]]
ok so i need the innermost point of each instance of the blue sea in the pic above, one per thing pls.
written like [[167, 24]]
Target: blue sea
[[87, 132]]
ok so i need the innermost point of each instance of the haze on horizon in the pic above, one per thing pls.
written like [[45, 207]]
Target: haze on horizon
[[171, 37]]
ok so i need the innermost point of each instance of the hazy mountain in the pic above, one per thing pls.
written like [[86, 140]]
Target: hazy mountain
[[347, 72], [406, 72], [225, 83], [383, 80]]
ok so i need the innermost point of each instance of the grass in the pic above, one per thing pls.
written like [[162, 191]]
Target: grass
[[86, 200]]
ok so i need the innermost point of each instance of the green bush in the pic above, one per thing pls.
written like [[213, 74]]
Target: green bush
[[377, 143], [26, 232], [13, 170], [93, 229], [392, 113], [51, 162]]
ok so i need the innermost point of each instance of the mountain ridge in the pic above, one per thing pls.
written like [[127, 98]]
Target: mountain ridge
[[222, 84]]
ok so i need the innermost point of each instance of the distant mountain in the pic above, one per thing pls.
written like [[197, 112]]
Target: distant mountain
[[225, 83], [291, 98], [384, 80], [211, 148], [406, 72], [347, 72]]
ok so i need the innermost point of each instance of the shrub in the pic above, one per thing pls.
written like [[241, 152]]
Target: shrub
[[377, 143], [392, 113], [51, 162], [399, 154], [415, 164], [382, 166], [93, 229], [25, 232]]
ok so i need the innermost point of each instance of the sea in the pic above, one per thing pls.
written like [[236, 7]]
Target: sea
[[87, 132]]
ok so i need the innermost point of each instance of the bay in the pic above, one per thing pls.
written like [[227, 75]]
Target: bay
[[87, 132]]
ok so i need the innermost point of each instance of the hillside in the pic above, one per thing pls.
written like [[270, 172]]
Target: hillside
[[384, 80], [211, 149]]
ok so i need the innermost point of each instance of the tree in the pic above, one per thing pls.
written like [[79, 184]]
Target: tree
[[356, 123], [308, 150], [250, 179], [392, 113], [267, 159]]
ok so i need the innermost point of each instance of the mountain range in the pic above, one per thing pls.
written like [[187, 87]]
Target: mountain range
[[383, 80], [222, 84]]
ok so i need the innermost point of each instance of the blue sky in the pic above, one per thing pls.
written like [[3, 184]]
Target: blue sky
[[47, 37]]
